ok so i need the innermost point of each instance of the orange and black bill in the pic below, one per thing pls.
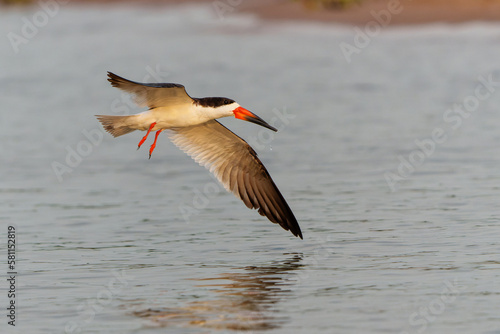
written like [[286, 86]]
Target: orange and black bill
[[242, 113]]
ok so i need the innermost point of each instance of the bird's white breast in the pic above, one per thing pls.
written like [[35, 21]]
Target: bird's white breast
[[171, 117]]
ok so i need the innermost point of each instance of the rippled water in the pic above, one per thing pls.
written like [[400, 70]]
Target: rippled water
[[111, 242]]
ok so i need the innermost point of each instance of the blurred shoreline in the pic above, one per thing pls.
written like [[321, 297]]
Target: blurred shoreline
[[386, 12]]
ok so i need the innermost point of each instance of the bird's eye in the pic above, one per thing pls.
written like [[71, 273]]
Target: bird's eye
[[227, 102]]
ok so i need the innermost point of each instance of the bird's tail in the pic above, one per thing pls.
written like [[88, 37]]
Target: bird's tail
[[116, 125]]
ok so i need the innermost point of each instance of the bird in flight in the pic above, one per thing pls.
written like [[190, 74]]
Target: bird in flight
[[194, 129]]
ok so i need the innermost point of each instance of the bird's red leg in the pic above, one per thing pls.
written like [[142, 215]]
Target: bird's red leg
[[154, 143], [146, 136]]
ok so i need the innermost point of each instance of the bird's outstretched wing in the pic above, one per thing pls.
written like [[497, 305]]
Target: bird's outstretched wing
[[237, 167], [152, 95]]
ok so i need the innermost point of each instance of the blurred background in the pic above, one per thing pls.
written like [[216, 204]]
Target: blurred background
[[387, 152]]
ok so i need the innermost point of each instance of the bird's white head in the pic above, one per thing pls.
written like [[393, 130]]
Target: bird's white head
[[217, 107]]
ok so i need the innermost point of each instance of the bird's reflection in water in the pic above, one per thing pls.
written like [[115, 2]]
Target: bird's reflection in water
[[244, 300]]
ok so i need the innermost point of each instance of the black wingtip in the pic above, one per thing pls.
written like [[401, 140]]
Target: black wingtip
[[113, 79], [295, 229]]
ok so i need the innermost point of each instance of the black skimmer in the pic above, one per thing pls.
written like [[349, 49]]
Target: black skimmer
[[194, 129]]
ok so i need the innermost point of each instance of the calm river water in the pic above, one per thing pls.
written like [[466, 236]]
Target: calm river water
[[390, 163]]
